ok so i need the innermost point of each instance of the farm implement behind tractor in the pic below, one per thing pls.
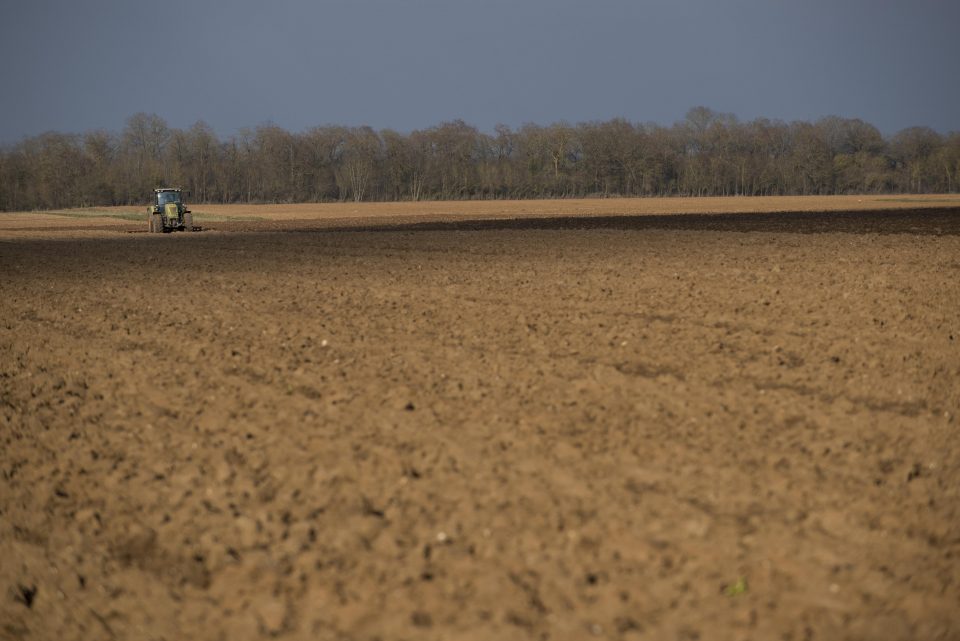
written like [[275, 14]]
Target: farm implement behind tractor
[[169, 213]]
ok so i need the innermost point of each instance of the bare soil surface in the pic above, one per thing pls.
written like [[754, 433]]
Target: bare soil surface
[[701, 427]]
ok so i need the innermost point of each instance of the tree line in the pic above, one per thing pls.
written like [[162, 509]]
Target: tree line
[[705, 154]]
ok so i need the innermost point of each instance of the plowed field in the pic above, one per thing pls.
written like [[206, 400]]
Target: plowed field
[[710, 426]]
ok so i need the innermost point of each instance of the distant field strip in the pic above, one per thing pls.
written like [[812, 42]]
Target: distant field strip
[[141, 216], [304, 216]]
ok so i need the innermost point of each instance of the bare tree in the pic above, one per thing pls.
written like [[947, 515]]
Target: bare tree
[[358, 163], [914, 149]]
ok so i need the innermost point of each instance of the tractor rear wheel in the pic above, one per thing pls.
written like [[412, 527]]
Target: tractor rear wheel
[[188, 221]]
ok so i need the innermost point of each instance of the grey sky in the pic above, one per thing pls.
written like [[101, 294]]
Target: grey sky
[[75, 65]]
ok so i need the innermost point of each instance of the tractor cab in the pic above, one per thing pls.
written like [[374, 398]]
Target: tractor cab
[[168, 211], [165, 196]]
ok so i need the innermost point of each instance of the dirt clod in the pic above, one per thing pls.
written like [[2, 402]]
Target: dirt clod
[[26, 594]]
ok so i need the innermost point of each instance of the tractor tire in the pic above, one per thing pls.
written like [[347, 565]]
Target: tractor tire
[[188, 222], [156, 223]]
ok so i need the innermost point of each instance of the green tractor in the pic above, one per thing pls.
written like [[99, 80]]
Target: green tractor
[[169, 212]]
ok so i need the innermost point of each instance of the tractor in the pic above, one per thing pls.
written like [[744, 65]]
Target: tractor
[[169, 212]]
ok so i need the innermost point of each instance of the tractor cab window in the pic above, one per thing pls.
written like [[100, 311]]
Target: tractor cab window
[[165, 197]]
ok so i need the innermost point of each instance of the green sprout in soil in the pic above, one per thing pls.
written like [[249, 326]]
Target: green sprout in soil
[[736, 589]]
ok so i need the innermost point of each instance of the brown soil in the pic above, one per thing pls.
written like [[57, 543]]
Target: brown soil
[[712, 428]]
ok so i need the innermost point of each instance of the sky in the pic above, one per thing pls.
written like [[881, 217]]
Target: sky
[[74, 66]]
